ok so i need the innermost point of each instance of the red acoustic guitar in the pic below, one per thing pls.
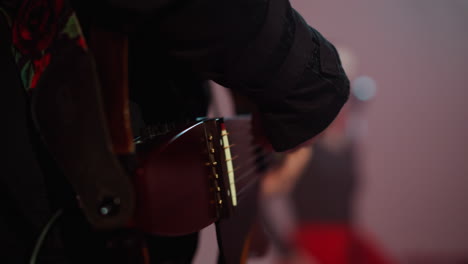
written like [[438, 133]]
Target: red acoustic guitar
[[204, 173]]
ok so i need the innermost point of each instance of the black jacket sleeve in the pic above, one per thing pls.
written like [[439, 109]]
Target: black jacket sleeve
[[264, 50]]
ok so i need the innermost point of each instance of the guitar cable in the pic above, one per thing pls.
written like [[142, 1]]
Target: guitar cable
[[43, 236]]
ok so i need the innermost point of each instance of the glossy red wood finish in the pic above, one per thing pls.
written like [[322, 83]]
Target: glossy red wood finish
[[173, 185], [175, 188]]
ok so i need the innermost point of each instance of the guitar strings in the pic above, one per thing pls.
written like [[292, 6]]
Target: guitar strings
[[246, 188], [250, 182], [249, 185], [258, 164], [255, 164], [250, 176]]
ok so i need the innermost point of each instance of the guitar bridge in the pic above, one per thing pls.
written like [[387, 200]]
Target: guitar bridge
[[222, 170]]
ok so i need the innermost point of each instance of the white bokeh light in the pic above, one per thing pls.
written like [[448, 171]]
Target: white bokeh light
[[364, 88]]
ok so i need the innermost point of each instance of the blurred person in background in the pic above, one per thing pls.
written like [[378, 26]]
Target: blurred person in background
[[308, 202]]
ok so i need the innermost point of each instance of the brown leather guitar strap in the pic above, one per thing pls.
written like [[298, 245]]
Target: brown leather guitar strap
[[80, 108]]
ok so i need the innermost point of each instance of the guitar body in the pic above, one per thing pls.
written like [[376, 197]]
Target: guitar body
[[173, 190], [183, 185]]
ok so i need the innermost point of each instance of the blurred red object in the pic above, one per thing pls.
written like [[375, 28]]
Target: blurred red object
[[337, 244]]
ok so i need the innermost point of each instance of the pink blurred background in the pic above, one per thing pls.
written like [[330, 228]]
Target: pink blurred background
[[413, 156]]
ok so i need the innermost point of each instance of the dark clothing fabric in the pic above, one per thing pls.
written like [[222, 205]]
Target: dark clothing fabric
[[261, 49], [27, 199]]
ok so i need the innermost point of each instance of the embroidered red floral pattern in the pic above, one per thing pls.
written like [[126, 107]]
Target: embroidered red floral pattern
[[38, 28], [35, 26]]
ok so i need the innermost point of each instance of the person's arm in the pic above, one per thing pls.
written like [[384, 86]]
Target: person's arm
[[264, 50]]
